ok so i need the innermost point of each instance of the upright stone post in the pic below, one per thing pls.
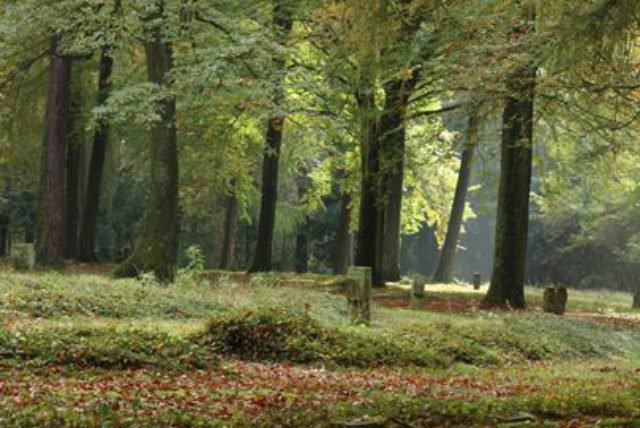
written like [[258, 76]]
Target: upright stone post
[[417, 289], [359, 294], [417, 294], [548, 299], [477, 281], [554, 300], [561, 300]]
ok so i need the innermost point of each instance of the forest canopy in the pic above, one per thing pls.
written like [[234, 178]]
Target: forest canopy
[[314, 135]]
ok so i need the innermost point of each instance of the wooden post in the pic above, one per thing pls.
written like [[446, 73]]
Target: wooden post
[[23, 256], [477, 281], [359, 294]]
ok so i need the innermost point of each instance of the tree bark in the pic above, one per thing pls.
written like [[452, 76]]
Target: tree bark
[[393, 139], [368, 237], [230, 230], [88, 229], [444, 272], [72, 217], [636, 298], [302, 236], [302, 251], [509, 264], [75, 163], [263, 257], [51, 223], [4, 235], [157, 243], [344, 239]]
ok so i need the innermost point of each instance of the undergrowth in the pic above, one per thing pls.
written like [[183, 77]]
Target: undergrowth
[[101, 348], [282, 335]]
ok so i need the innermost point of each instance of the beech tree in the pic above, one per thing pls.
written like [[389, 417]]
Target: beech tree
[[88, 228], [262, 261], [50, 236], [444, 271], [157, 242], [507, 280]]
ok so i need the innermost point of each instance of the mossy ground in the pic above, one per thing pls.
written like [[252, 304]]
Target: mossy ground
[[85, 350]]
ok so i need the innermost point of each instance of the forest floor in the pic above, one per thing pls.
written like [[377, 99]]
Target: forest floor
[[222, 349]]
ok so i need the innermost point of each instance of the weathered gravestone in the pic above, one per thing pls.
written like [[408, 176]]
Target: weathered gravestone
[[417, 289], [554, 300], [358, 290], [417, 294], [23, 256], [477, 281]]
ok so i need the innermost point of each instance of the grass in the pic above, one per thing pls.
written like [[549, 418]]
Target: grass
[[228, 354]]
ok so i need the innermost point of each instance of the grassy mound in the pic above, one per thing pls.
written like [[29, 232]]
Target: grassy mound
[[284, 335], [53, 295], [101, 348]]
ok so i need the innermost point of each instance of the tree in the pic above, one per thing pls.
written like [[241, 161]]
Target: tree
[[344, 238], [157, 243], [509, 263], [262, 261], [444, 271], [76, 165], [88, 227], [370, 226], [50, 233], [230, 231], [392, 145]]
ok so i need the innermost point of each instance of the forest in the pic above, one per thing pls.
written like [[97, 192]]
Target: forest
[[346, 213]]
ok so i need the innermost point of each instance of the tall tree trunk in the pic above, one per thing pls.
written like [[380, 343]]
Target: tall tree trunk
[[230, 230], [75, 163], [4, 235], [512, 220], [636, 298], [88, 229], [72, 218], [393, 138], [302, 250], [344, 239], [157, 243], [369, 228], [263, 257], [444, 272], [509, 263], [302, 236], [50, 231]]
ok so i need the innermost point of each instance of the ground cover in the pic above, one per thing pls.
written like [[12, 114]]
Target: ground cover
[[82, 349]]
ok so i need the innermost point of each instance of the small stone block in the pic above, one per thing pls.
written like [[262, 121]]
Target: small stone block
[[477, 281], [417, 289], [554, 300], [358, 291]]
